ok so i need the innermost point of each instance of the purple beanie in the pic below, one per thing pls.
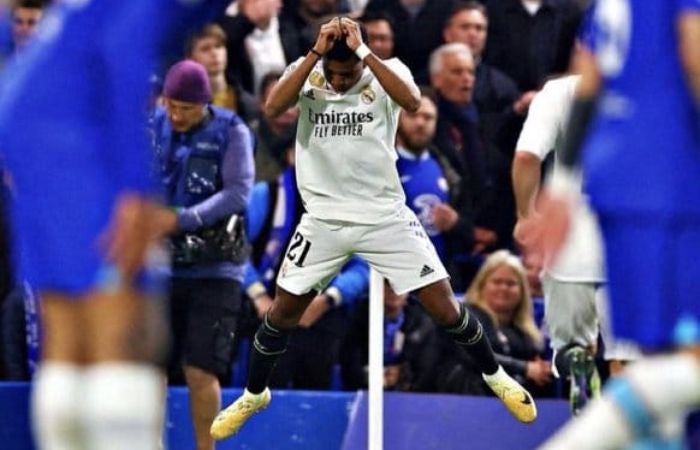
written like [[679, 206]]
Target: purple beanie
[[187, 81]]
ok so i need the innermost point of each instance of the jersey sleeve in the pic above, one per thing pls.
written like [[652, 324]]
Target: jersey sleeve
[[290, 68], [539, 133], [403, 72]]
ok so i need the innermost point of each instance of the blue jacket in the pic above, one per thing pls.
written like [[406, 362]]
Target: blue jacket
[[206, 173]]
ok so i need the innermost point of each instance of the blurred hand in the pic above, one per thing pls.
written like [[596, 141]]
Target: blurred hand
[[520, 233], [351, 31], [539, 371], [262, 303], [316, 309], [522, 104], [542, 235], [163, 221], [327, 35], [129, 234], [260, 12], [523, 235], [483, 238], [444, 217]]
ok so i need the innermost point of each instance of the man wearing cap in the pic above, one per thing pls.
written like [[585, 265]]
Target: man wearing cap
[[204, 158]]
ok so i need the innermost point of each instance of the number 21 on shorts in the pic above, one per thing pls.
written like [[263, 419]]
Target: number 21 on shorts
[[298, 249]]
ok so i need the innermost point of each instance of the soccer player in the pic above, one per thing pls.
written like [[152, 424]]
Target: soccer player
[[349, 103], [641, 87], [575, 295], [72, 127]]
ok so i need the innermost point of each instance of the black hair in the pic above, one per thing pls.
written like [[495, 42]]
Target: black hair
[[470, 5], [29, 4], [210, 30], [341, 52], [376, 16], [268, 79], [428, 92]]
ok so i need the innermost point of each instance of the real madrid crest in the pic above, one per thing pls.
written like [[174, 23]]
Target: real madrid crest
[[316, 79], [367, 95]]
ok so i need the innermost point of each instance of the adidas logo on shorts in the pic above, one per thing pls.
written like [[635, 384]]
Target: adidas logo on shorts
[[426, 270]]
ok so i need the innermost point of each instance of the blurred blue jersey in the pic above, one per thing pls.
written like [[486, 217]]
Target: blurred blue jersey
[[642, 162], [73, 127], [643, 153]]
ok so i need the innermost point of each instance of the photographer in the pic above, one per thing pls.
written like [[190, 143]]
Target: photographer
[[205, 164]]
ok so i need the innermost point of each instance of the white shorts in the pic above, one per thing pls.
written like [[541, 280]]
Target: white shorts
[[398, 248], [577, 312]]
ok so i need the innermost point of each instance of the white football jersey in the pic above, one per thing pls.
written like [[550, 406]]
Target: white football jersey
[[581, 257], [345, 157]]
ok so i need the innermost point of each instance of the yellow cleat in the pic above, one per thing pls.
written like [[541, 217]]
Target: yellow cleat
[[516, 398], [230, 420]]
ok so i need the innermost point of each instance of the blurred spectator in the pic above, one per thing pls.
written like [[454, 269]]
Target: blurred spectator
[[274, 210], [208, 47], [501, 105], [259, 41], [26, 15], [418, 27], [410, 346], [433, 188], [380, 34], [500, 298], [305, 16], [205, 157], [485, 174], [531, 39], [274, 135]]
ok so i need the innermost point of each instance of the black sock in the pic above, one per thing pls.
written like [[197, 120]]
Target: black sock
[[469, 334], [269, 344], [563, 359]]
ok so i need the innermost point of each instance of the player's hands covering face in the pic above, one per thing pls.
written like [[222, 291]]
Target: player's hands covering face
[[327, 35], [351, 32]]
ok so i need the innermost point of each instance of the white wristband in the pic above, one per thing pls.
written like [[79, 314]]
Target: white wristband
[[362, 52]]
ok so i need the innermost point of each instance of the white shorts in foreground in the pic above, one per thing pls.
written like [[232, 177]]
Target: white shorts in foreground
[[398, 248]]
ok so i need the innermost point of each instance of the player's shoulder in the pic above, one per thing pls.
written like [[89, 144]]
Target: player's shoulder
[[559, 89], [562, 83], [396, 64]]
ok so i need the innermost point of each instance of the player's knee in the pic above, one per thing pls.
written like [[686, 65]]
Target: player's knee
[[287, 309]]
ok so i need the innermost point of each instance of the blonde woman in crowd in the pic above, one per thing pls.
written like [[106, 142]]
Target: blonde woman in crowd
[[499, 297]]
